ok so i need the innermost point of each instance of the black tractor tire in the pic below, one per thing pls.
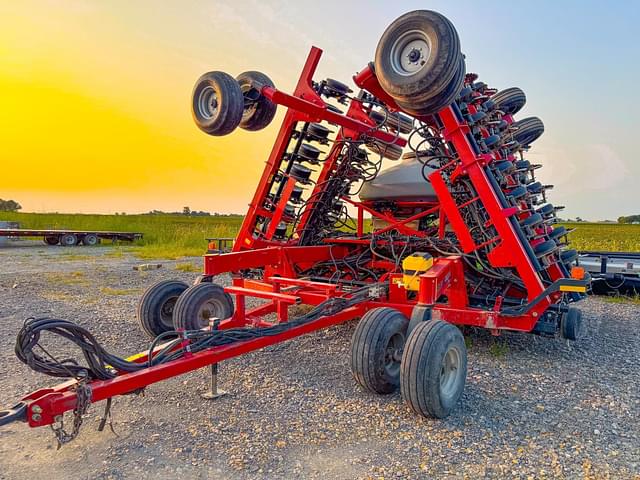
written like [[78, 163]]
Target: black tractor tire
[[434, 368], [90, 240], [200, 303], [510, 100], [52, 240], [571, 324], [408, 73], [376, 349], [156, 306], [258, 110], [68, 240], [528, 130], [217, 103]]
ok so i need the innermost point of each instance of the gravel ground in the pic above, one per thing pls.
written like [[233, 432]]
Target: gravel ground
[[532, 407]]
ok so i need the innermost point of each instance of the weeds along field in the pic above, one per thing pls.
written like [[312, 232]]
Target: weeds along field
[[174, 236], [604, 236]]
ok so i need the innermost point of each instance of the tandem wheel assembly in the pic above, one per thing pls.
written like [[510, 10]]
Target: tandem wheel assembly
[[172, 305], [221, 103], [428, 363]]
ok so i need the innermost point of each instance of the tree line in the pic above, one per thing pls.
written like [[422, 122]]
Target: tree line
[[9, 206], [629, 219]]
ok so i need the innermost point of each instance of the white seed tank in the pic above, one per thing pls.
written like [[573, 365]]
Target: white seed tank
[[402, 182]]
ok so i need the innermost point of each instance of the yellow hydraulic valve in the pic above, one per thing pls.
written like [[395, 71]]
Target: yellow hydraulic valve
[[413, 266]]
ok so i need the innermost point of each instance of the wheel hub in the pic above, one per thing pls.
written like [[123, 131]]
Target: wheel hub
[[410, 53], [208, 102], [450, 371], [208, 311], [393, 354]]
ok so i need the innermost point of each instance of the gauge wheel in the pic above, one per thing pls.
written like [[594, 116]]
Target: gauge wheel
[[571, 324], [417, 59], [258, 110], [510, 100], [217, 103], [528, 130]]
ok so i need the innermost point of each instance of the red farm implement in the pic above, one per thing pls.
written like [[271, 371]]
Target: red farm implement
[[457, 231]]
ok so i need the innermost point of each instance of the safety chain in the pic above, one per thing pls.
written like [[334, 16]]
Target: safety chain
[[83, 395]]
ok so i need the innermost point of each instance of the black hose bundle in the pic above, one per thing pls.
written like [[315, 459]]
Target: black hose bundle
[[103, 365]]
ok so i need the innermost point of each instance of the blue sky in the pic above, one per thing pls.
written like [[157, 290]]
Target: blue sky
[[577, 62], [117, 77]]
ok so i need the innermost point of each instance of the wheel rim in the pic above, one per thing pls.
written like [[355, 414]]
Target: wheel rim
[[207, 102], [393, 355], [209, 309], [166, 312], [450, 372], [410, 52]]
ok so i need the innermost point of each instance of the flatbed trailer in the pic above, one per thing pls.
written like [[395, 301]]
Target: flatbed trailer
[[612, 271], [69, 238]]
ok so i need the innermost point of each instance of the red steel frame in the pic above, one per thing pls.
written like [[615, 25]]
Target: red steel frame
[[281, 259]]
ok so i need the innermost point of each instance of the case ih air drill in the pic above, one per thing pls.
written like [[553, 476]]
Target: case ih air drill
[[457, 231]]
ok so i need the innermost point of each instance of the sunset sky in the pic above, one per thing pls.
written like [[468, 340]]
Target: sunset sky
[[95, 94]]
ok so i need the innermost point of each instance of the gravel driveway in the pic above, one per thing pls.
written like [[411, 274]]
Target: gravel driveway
[[532, 408]]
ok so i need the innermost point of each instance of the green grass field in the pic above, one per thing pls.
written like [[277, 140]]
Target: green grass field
[[165, 236], [605, 236], [175, 236]]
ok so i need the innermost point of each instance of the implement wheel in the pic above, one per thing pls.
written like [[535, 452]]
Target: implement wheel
[[156, 306], [571, 324], [510, 100], [434, 368], [217, 103], [528, 130], [376, 349], [258, 110], [200, 303], [417, 58]]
